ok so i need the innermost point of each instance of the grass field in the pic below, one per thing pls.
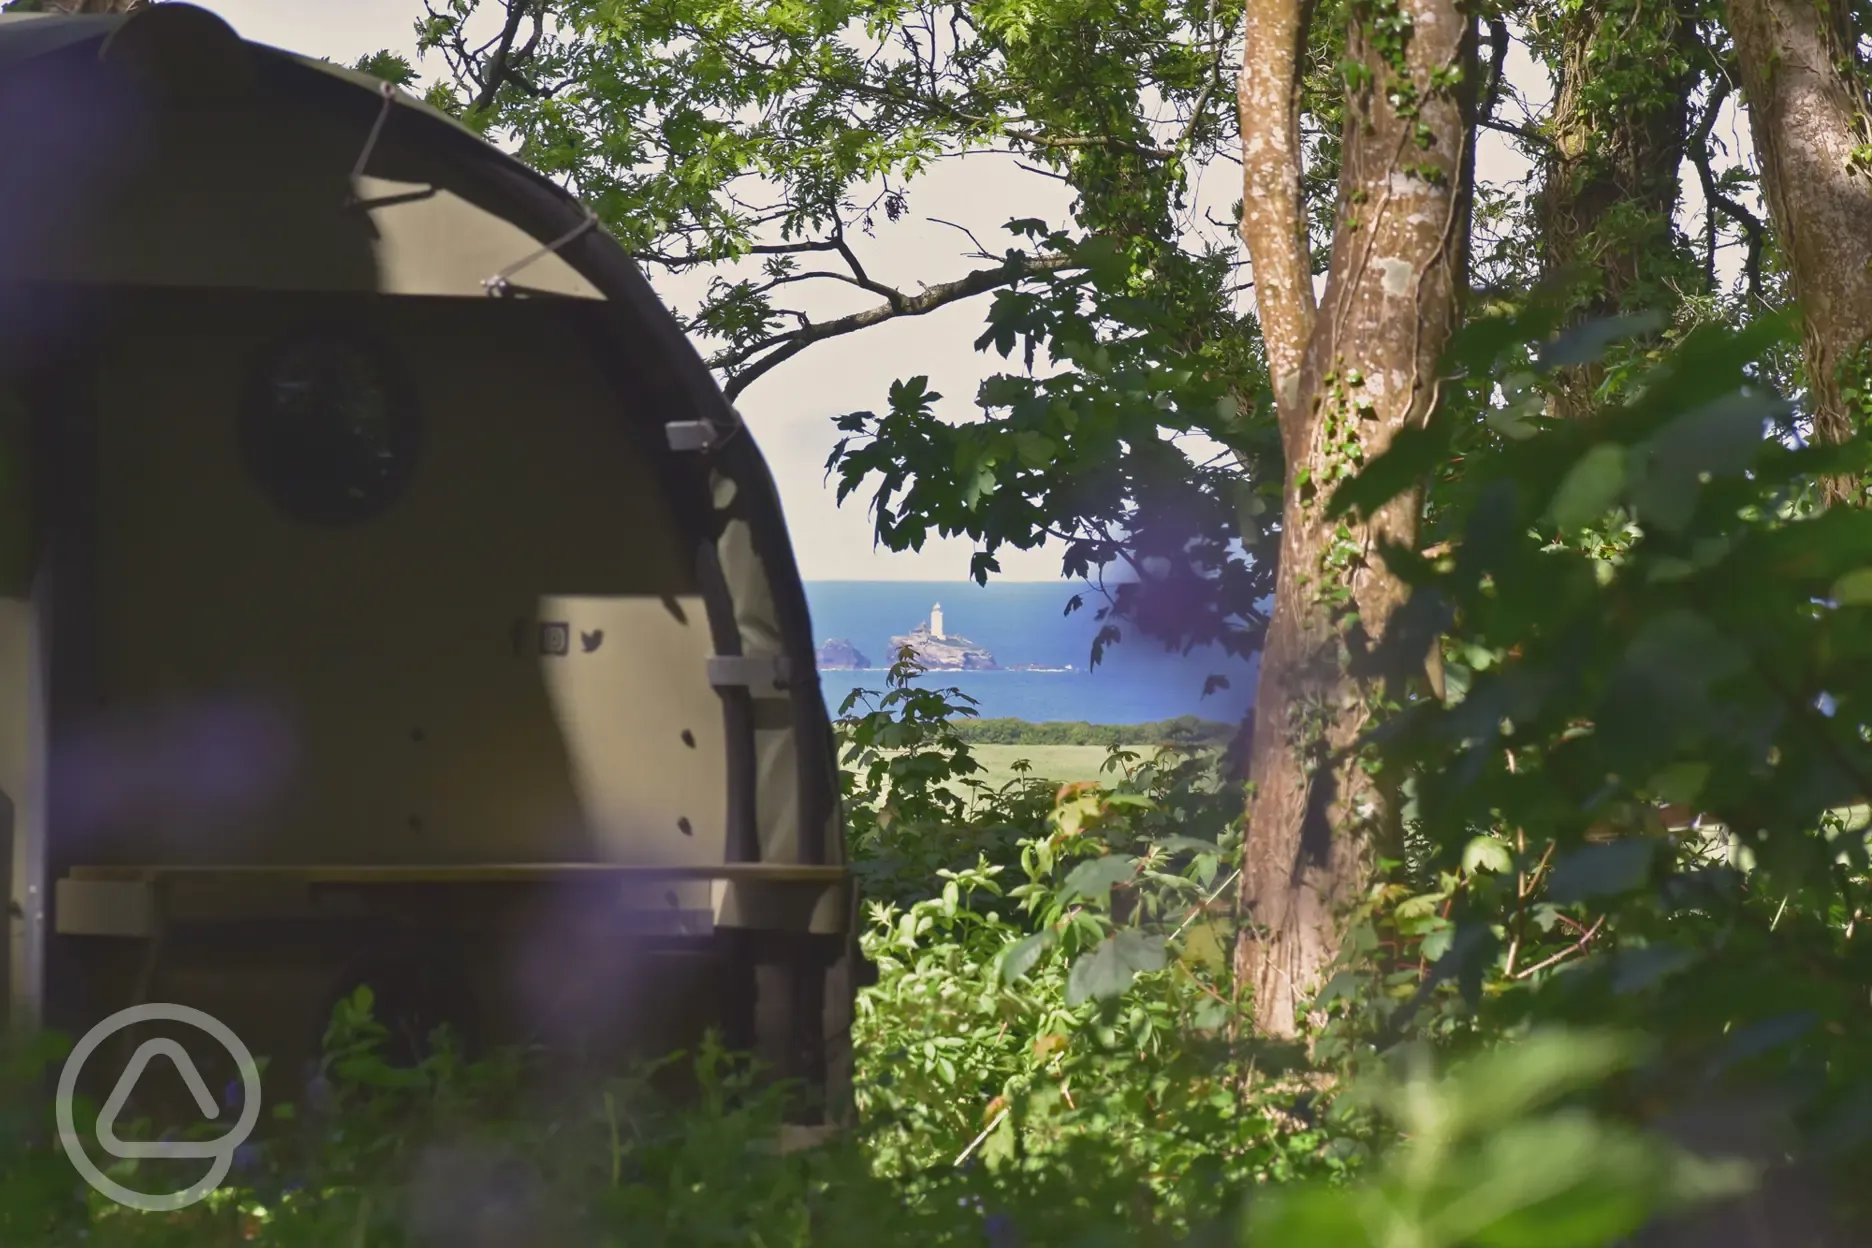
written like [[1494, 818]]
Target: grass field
[[1058, 764], [1062, 764]]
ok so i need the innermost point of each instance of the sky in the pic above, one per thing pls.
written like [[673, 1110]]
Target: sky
[[792, 408]]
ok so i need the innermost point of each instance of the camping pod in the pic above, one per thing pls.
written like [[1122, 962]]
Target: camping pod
[[390, 595]]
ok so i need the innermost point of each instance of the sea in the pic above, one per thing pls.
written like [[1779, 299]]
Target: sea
[[1025, 624]]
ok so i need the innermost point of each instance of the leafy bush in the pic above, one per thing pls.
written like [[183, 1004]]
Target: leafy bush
[[1638, 613]]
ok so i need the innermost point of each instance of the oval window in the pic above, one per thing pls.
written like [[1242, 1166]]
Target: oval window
[[329, 429]]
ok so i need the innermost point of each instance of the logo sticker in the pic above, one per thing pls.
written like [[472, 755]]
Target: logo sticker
[[220, 1150]]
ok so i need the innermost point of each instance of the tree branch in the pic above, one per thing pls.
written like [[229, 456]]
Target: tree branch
[[692, 260], [1714, 198], [1185, 141], [1274, 219], [504, 62], [859, 277], [1007, 127], [1526, 133], [743, 369], [1498, 65]]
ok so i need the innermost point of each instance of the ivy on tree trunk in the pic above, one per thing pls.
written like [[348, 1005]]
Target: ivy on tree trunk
[[1804, 82], [1611, 170], [1348, 376]]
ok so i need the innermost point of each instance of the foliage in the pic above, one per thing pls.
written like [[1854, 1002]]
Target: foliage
[[392, 67], [1491, 1160], [1639, 611], [914, 800], [1072, 997]]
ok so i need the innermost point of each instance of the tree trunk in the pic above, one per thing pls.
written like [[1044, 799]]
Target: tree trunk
[[1347, 377], [1610, 181], [1808, 113]]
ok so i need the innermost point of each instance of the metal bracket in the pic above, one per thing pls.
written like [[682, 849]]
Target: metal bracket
[[388, 93], [106, 908], [691, 435], [501, 284], [765, 675]]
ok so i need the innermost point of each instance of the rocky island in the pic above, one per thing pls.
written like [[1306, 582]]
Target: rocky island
[[943, 652], [839, 655]]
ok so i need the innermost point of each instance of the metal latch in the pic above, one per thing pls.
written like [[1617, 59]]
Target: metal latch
[[765, 675]]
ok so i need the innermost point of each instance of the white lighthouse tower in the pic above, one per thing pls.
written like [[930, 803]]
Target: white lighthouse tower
[[936, 630]]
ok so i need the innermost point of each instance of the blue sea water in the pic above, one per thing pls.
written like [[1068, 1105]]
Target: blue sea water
[[1024, 623]]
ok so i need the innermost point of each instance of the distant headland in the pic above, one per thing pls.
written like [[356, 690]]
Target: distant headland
[[839, 655]]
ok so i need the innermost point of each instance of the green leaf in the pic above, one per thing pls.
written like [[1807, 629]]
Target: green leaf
[[1634, 970], [1248, 508], [1023, 955], [1211, 1015], [1667, 682], [1346, 985], [1718, 439], [1601, 870], [1766, 1035], [1108, 970], [1567, 1181], [1854, 589], [1093, 880], [1588, 343], [1504, 1083], [1412, 456], [1591, 488], [1510, 423], [1487, 853], [1185, 844], [1681, 650], [1680, 782], [1314, 1217]]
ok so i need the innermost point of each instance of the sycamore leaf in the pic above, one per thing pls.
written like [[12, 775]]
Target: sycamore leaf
[[1487, 853], [1108, 970], [1093, 880]]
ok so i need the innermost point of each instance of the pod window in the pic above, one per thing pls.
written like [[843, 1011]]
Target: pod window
[[329, 429]]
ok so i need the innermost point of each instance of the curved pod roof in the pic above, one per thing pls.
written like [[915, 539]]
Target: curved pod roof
[[237, 182], [264, 170]]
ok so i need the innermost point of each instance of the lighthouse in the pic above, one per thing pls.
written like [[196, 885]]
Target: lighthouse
[[936, 621]]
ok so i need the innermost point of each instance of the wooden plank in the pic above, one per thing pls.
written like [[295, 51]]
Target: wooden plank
[[471, 873]]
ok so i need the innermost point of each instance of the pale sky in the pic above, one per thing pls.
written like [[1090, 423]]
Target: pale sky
[[791, 409]]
